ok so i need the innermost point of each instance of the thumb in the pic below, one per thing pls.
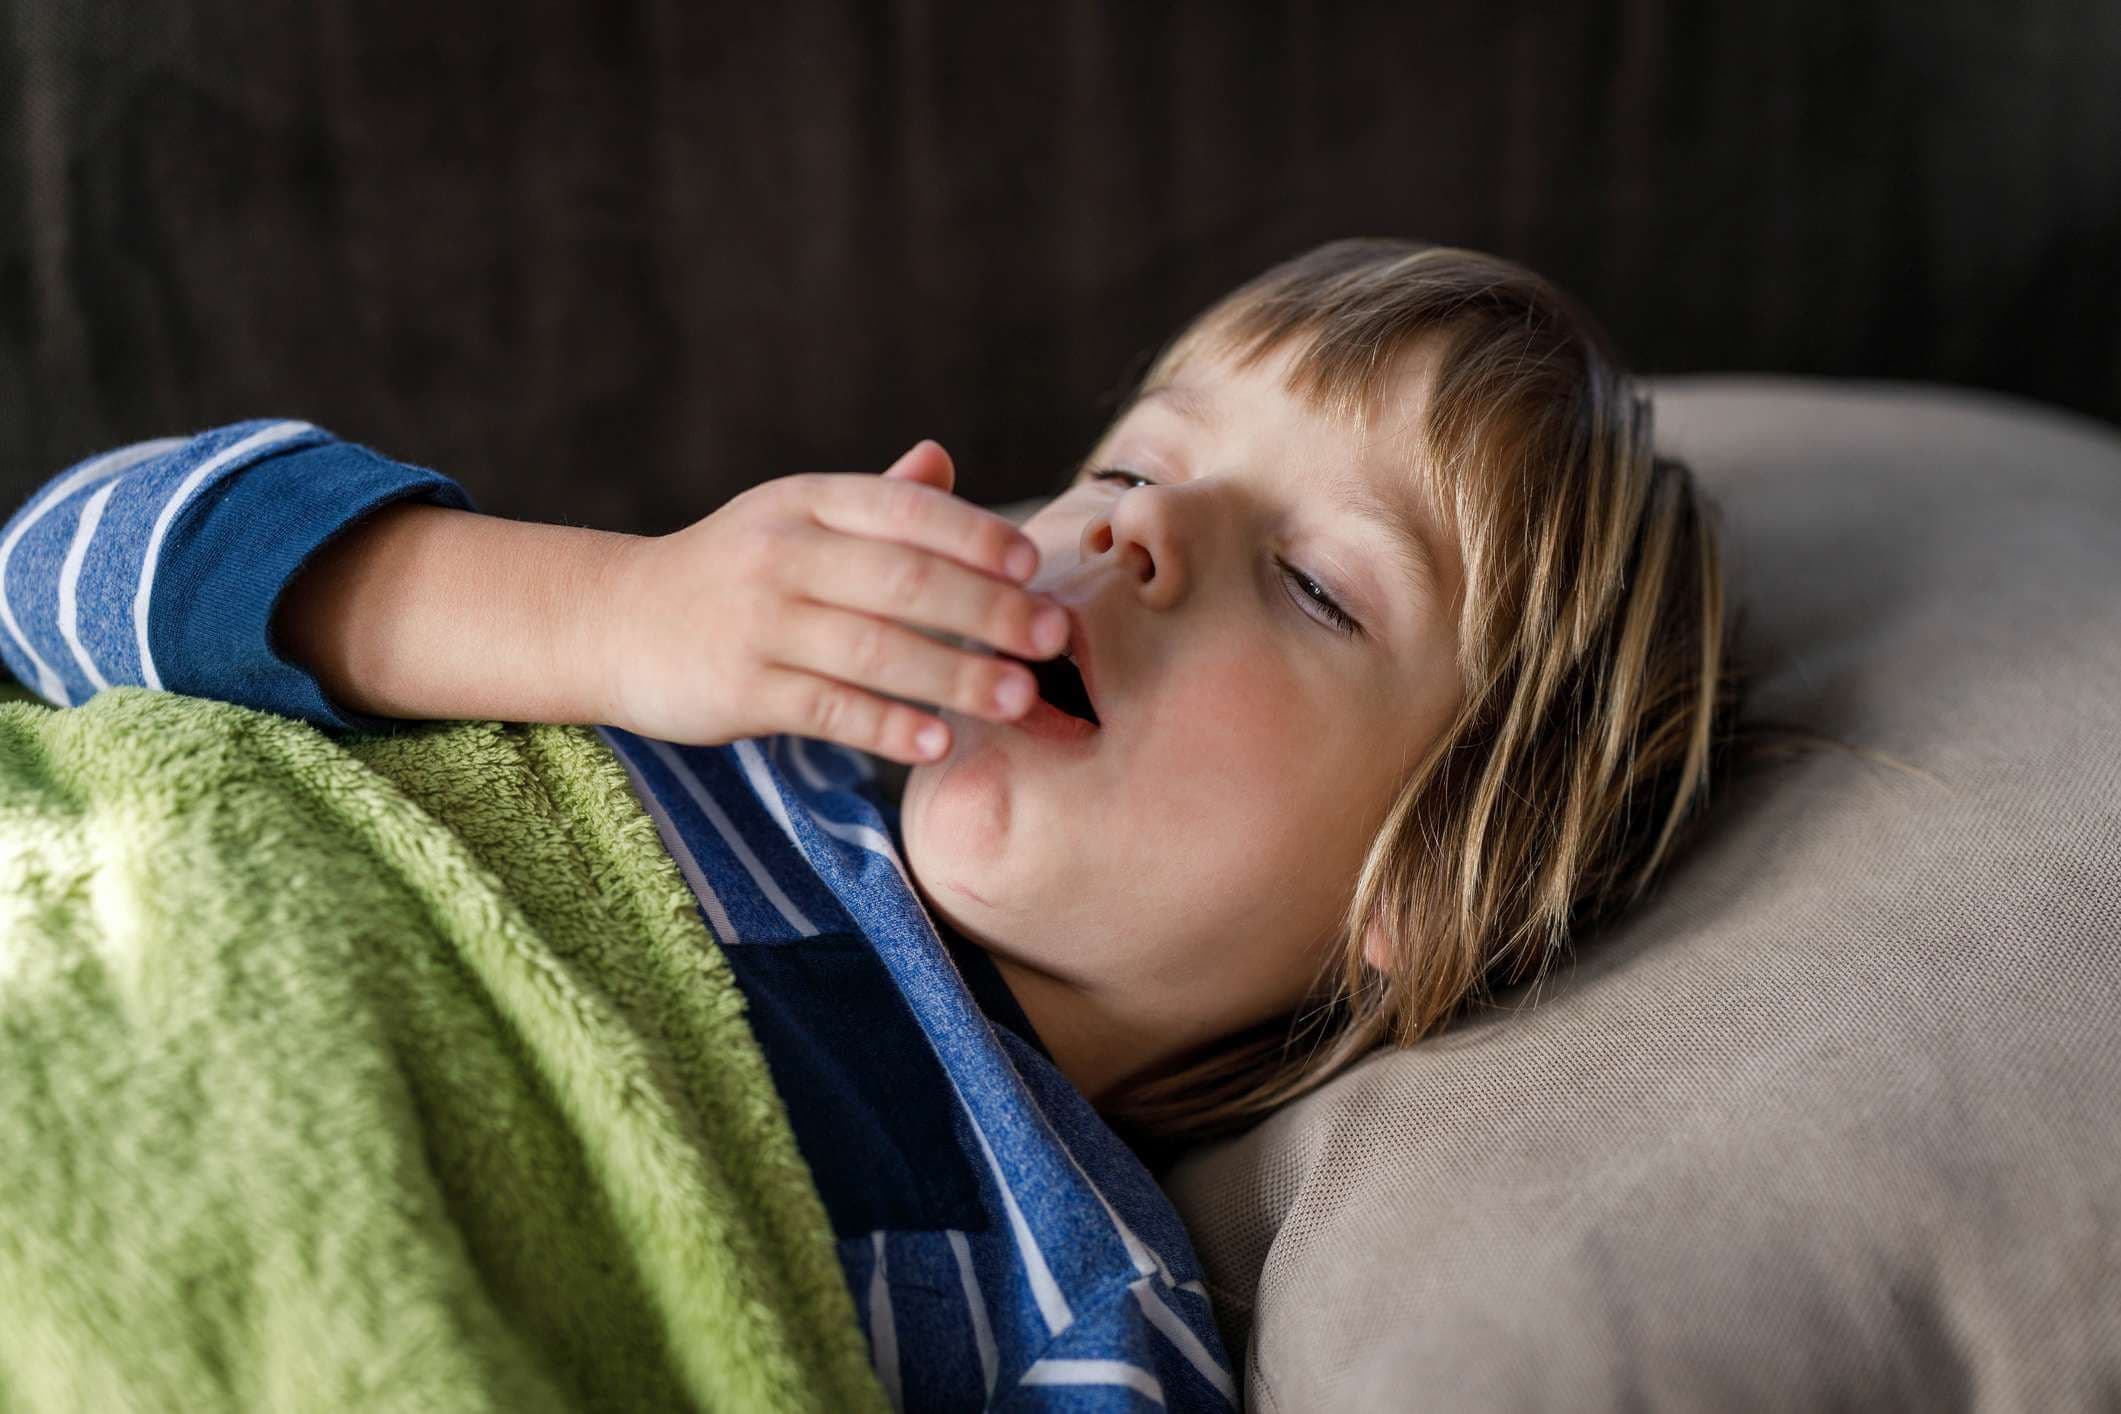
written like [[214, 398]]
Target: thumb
[[926, 462]]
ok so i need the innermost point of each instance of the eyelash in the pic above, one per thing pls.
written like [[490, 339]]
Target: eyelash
[[1342, 622]]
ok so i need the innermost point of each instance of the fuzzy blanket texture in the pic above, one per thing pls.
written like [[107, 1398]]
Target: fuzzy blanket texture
[[388, 1071]]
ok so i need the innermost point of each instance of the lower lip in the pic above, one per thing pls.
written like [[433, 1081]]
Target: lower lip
[[1048, 723]]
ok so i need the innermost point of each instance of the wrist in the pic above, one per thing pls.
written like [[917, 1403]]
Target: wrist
[[591, 599]]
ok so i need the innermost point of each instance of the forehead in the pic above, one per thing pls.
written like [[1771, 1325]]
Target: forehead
[[1204, 386]]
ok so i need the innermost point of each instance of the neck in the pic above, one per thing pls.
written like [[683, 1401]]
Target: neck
[[1093, 1045], [1093, 1040]]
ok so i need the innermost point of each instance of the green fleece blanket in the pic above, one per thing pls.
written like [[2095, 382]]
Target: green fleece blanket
[[387, 1072]]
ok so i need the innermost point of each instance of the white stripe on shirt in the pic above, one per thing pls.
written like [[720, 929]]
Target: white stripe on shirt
[[1052, 1304], [1145, 1258], [883, 1333], [50, 686], [1094, 1372], [976, 1306], [70, 582], [799, 760], [1181, 1335], [761, 781], [726, 828], [864, 836], [263, 437], [680, 848]]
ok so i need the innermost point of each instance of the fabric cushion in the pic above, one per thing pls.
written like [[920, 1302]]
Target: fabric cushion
[[1834, 1119]]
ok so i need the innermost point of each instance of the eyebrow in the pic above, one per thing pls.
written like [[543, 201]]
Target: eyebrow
[[1396, 519], [1195, 405]]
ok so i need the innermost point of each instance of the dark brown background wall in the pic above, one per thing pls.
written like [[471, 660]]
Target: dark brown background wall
[[612, 262]]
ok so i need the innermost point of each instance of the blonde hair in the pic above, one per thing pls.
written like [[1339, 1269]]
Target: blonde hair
[[1600, 689]]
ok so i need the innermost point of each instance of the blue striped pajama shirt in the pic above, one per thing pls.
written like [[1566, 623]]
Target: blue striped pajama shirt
[[1004, 1248]]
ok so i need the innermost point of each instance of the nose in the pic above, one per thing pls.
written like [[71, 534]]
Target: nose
[[1137, 530]]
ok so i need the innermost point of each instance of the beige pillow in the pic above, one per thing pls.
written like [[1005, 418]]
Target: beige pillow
[[1834, 1120]]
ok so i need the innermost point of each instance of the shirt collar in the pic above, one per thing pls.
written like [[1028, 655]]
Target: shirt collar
[[982, 977], [989, 988]]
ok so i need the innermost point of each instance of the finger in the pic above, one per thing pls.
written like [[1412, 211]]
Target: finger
[[914, 513], [927, 463], [882, 656], [914, 585], [831, 710]]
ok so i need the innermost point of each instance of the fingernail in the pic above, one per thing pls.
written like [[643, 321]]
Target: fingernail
[[1022, 561], [932, 739], [1014, 694], [1050, 630]]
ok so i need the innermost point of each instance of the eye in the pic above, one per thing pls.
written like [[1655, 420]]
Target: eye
[[1337, 618], [1312, 590]]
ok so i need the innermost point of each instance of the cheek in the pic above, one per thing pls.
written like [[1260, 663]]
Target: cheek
[[1237, 719], [1274, 755]]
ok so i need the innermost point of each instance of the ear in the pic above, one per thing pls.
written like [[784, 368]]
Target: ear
[[1377, 948], [925, 462]]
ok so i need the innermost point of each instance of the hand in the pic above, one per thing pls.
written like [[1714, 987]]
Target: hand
[[775, 613]]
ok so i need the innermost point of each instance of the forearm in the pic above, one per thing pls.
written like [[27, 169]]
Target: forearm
[[428, 612]]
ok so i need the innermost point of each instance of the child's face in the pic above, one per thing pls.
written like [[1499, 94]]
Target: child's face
[[1174, 876]]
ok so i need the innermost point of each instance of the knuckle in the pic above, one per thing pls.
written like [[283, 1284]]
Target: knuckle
[[802, 487], [765, 604], [1009, 618], [761, 550], [1001, 539], [976, 685], [910, 579], [895, 731], [745, 500], [905, 501], [871, 647], [766, 619], [826, 713], [770, 498]]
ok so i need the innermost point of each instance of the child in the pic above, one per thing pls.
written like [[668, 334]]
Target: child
[[1395, 658]]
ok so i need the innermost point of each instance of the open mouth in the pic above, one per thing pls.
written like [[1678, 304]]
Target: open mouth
[[1061, 684]]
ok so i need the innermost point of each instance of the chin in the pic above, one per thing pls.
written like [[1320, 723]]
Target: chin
[[957, 823]]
